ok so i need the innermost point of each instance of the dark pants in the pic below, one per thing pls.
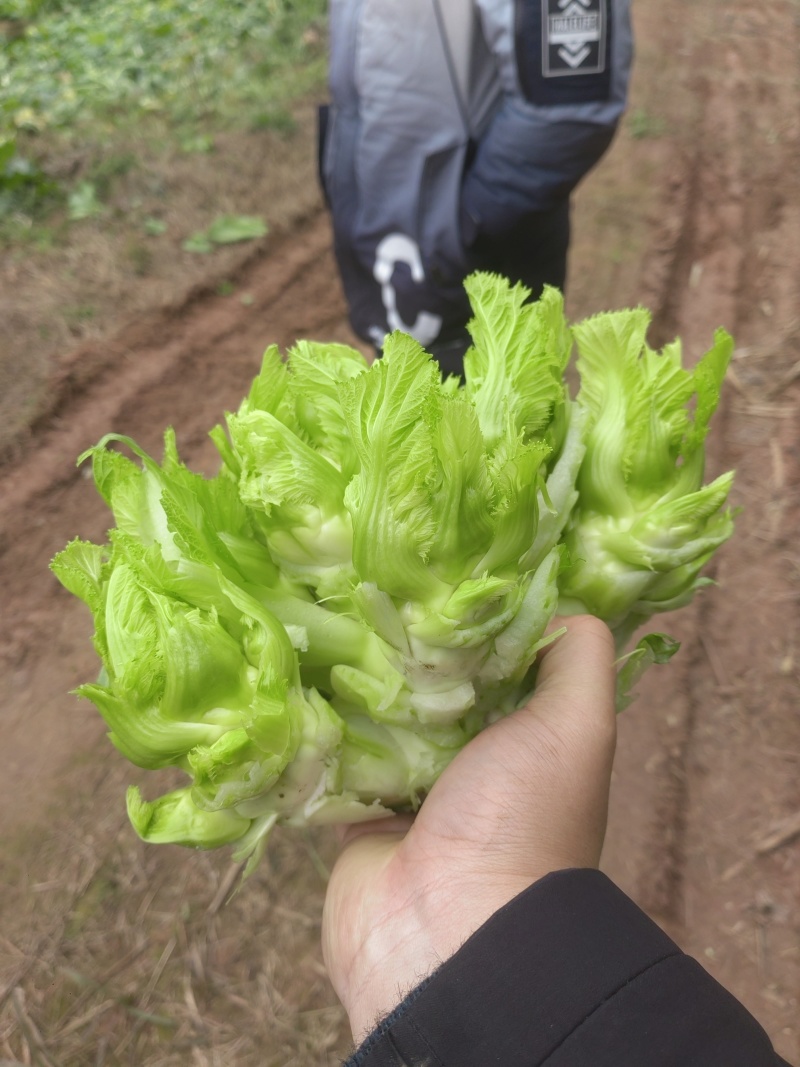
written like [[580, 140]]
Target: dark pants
[[534, 253]]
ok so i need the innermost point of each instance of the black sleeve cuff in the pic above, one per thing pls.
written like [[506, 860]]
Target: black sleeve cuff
[[570, 973]]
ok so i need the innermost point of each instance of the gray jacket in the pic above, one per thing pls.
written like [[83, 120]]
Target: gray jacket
[[453, 121]]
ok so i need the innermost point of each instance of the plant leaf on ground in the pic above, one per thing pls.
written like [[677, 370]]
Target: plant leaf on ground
[[226, 230], [23, 185], [83, 202]]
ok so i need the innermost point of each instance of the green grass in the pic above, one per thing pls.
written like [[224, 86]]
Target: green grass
[[82, 80], [643, 124], [77, 64]]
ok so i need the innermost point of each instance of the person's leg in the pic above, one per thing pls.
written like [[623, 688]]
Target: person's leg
[[534, 252], [450, 354]]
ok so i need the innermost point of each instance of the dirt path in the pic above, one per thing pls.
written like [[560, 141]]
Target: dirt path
[[699, 219], [708, 784]]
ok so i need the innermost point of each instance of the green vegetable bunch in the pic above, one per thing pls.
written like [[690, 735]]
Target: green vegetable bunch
[[313, 634]]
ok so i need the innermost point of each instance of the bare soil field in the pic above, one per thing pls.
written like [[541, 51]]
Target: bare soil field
[[113, 953]]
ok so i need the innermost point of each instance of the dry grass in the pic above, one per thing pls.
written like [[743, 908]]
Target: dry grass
[[113, 953]]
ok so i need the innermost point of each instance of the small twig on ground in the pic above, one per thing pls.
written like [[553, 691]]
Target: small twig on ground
[[196, 963], [6, 1049], [717, 669], [95, 985], [781, 834], [195, 1017], [785, 380], [317, 861], [733, 871], [18, 976], [30, 1030], [11, 947], [778, 470], [780, 753], [296, 917], [100, 1058], [169, 948], [767, 411], [144, 907], [225, 888], [87, 1017], [736, 381]]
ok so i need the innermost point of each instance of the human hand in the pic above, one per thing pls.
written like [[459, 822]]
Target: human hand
[[527, 796]]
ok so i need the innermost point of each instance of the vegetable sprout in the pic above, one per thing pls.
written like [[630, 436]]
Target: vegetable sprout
[[312, 634]]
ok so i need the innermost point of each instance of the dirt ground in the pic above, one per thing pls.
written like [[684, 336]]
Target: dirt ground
[[112, 953]]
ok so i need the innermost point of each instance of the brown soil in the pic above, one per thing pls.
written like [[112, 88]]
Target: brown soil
[[100, 271], [113, 953]]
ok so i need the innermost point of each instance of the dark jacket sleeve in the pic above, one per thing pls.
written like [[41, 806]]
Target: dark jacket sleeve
[[558, 115], [569, 974]]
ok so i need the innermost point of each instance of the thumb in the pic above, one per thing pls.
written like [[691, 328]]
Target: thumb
[[576, 680], [565, 739]]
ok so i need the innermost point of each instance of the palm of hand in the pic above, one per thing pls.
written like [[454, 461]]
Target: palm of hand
[[527, 796]]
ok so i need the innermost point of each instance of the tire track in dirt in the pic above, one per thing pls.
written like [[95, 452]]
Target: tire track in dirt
[[707, 203], [173, 352], [729, 747], [649, 856], [740, 904]]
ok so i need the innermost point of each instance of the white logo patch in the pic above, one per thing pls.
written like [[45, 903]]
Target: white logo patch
[[393, 249], [573, 37]]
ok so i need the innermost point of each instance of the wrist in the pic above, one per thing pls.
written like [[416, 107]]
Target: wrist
[[413, 939], [389, 966]]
